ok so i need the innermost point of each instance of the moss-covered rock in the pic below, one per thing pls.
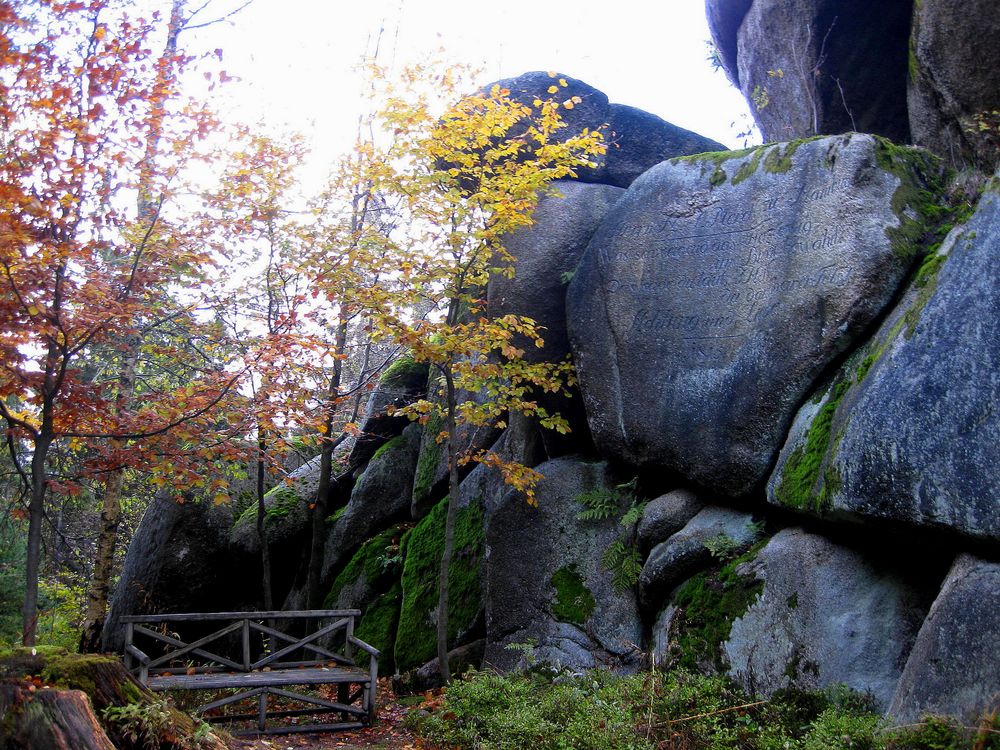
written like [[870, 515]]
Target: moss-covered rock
[[422, 551], [286, 514]]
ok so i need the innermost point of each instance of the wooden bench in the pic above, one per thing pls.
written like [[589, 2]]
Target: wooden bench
[[251, 654]]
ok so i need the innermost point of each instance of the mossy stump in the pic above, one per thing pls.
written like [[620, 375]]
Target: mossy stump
[[50, 698]]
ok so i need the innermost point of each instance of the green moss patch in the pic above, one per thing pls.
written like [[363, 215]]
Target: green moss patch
[[378, 624], [573, 602], [710, 602], [279, 503], [431, 453], [918, 201], [375, 561], [403, 371], [393, 444], [422, 548]]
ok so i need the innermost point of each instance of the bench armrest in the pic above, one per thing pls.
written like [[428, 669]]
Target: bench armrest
[[365, 647], [138, 654]]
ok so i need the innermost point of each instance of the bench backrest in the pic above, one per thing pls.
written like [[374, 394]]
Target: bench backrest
[[240, 641]]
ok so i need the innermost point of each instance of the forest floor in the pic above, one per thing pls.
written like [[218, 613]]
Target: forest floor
[[387, 734]]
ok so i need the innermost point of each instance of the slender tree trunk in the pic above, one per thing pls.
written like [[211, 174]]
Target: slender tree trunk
[[449, 528], [36, 516], [111, 513], [314, 595], [265, 549]]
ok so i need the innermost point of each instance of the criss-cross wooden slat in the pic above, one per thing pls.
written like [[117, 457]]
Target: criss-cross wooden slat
[[190, 648], [334, 667]]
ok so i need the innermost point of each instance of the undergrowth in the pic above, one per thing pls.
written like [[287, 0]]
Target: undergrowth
[[680, 710]]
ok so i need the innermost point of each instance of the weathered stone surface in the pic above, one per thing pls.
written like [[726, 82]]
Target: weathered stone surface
[[953, 667], [430, 482], [724, 20], [637, 140], [907, 431], [546, 252], [954, 76], [287, 510], [718, 289], [460, 660], [380, 497], [690, 550], [665, 515], [176, 559], [544, 579], [817, 66], [403, 383], [826, 616]]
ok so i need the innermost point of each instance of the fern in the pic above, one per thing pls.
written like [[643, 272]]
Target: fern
[[624, 563], [634, 514], [600, 504]]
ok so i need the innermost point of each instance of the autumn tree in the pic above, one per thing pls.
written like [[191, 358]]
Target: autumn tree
[[92, 127], [466, 177]]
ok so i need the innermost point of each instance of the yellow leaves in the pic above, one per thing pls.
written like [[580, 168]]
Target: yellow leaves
[[220, 498], [562, 82], [552, 89]]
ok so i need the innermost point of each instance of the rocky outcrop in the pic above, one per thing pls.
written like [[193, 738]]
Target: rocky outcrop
[[818, 66], [907, 430], [636, 140], [545, 579], [825, 616], [952, 668], [954, 90], [380, 498], [404, 382], [286, 510], [712, 532], [178, 556], [719, 288]]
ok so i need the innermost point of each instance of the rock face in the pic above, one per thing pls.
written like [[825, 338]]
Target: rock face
[[547, 253], [544, 578], [817, 66], [691, 549], [907, 432], [636, 140], [825, 616], [287, 515], [380, 498], [955, 76], [953, 666], [403, 383], [718, 289], [176, 559], [665, 515]]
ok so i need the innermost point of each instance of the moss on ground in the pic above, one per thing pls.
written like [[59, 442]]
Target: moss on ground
[[422, 548], [573, 602], [710, 602]]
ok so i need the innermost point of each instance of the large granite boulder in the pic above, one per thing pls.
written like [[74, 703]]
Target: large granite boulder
[[907, 431], [404, 382], [719, 288], [547, 254], [636, 140], [665, 515], [178, 555], [817, 66], [825, 616], [380, 498], [712, 532], [955, 77], [287, 515], [545, 579], [953, 667]]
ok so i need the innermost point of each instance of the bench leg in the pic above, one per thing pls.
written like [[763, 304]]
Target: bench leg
[[262, 709], [344, 696]]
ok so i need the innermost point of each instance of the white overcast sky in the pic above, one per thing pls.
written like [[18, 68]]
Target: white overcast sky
[[295, 58]]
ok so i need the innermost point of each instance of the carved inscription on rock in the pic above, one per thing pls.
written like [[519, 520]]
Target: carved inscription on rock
[[701, 283]]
